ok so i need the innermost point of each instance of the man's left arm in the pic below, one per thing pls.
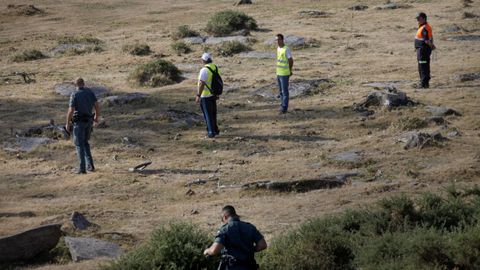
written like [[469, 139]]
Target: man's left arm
[[70, 112], [214, 249]]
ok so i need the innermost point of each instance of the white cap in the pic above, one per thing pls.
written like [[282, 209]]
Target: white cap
[[206, 56]]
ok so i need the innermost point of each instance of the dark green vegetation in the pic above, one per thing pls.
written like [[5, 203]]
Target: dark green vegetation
[[155, 73], [181, 47], [137, 49], [429, 232], [184, 31], [176, 246], [225, 22], [232, 47], [28, 55]]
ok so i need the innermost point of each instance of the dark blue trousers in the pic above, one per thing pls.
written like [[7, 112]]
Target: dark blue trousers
[[209, 109], [81, 135], [283, 89]]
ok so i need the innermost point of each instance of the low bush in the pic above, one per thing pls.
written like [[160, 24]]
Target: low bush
[[155, 73], [230, 48], [28, 55], [137, 49], [184, 31], [175, 246], [225, 22], [181, 47]]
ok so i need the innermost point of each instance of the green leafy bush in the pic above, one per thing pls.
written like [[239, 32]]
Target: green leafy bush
[[225, 22], [181, 47], [184, 31], [230, 48], [155, 73], [137, 49], [28, 55], [176, 246]]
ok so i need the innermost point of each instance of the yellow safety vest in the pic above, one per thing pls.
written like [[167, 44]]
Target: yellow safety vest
[[206, 92], [283, 69]]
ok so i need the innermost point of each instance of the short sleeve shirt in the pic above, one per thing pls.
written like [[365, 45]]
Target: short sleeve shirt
[[239, 239], [83, 101], [288, 53]]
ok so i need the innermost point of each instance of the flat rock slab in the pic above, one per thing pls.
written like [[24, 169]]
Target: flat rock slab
[[292, 41], [130, 98], [83, 248], [348, 156], [452, 29], [26, 144], [28, 244], [313, 14], [296, 88], [194, 40], [465, 38], [219, 40], [442, 111], [358, 7], [420, 139], [392, 6], [63, 48], [326, 182], [258, 55], [174, 116], [67, 88], [467, 77], [388, 85]]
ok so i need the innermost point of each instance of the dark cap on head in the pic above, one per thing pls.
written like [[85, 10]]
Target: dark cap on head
[[421, 15], [230, 210]]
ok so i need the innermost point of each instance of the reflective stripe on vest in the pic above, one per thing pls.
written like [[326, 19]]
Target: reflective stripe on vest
[[206, 92], [283, 68], [419, 39]]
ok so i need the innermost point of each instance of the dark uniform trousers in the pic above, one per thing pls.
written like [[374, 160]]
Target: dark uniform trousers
[[81, 135], [423, 58], [209, 109]]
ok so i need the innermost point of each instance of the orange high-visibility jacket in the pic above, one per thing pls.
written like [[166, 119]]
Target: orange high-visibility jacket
[[424, 33]]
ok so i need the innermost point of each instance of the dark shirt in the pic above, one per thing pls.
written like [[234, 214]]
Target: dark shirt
[[239, 239], [83, 101]]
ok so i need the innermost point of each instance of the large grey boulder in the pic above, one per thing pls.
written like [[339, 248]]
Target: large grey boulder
[[79, 221], [83, 248], [49, 131], [290, 40], [194, 40], [358, 7], [442, 111], [67, 88], [467, 77], [129, 98], [219, 40], [465, 38], [28, 244], [386, 99], [420, 139], [347, 156], [296, 88]]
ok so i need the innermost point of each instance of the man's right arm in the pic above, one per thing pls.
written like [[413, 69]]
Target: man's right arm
[[260, 245], [97, 111]]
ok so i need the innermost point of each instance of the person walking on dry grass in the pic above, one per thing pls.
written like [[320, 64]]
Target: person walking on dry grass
[[284, 71], [237, 241], [424, 46], [79, 114], [205, 95]]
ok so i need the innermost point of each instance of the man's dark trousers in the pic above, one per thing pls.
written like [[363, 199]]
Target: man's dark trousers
[[81, 135], [209, 109], [423, 58]]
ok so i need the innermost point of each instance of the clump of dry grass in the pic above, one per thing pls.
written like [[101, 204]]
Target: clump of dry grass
[[28, 55], [137, 49], [225, 22], [155, 73], [232, 47], [181, 47], [184, 31]]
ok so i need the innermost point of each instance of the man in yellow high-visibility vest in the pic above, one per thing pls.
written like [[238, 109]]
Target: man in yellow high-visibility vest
[[284, 71], [207, 100]]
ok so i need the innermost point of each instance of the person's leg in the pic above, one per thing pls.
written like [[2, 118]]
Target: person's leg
[[279, 83], [423, 67], [79, 140], [285, 94], [206, 114], [88, 153], [428, 77], [214, 116], [419, 58]]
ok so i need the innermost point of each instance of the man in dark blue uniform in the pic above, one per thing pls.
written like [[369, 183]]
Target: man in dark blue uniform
[[82, 102], [237, 241]]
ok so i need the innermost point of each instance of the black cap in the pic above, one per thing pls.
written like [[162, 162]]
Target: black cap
[[421, 14]]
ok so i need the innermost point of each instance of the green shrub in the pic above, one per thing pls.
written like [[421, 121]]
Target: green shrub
[[155, 73], [184, 31], [230, 48], [181, 47], [225, 22], [137, 49], [87, 39], [176, 246], [28, 55]]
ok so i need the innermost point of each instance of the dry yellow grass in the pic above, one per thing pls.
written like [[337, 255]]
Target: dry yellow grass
[[369, 45]]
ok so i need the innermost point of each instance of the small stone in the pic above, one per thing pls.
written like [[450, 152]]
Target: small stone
[[358, 7], [199, 152], [79, 221], [194, 212], [190, 192]]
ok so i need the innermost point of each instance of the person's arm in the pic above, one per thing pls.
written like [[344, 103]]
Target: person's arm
[[68, 123], [201, 86], [214, 249], [290, 64], [97, 111], [260, 245]]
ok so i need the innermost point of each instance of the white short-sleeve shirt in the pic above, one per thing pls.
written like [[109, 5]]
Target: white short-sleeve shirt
[[203, 75], [288, 53]]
